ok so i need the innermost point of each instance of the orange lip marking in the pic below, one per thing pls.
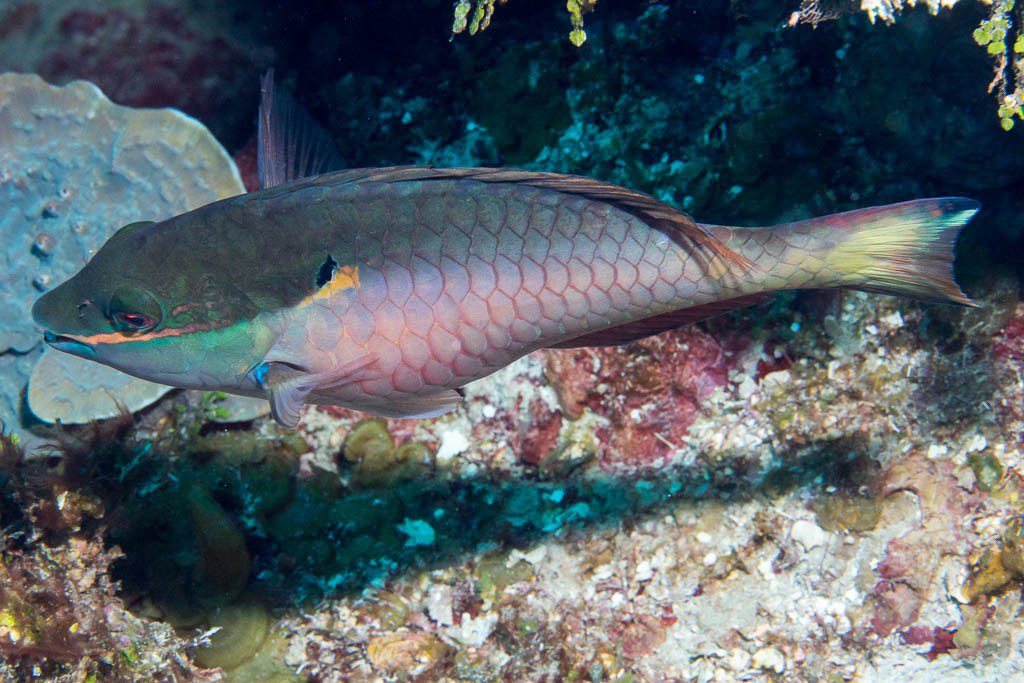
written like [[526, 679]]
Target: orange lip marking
[[344, 278], [121, 338]]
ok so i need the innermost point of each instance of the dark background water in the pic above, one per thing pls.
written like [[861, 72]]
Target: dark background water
[[716, 106]]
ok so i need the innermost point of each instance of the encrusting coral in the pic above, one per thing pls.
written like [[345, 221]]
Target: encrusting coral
[[74, 168]]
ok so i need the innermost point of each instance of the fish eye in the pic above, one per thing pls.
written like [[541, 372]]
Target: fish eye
[[133, 309], [134, 321]]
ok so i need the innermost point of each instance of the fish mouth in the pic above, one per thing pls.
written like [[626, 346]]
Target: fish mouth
[[68, 344]]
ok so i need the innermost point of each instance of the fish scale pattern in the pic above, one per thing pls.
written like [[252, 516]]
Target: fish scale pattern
[[792, 255], [459, 278]]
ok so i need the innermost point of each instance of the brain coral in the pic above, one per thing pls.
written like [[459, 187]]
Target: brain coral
[[74, 167]]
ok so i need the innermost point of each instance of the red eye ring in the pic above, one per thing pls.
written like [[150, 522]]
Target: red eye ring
[[136, 322]]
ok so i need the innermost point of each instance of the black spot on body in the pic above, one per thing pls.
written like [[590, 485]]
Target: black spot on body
[[326, 272]]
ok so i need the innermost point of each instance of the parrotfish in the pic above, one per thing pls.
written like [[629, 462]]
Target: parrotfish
[[387, 290]]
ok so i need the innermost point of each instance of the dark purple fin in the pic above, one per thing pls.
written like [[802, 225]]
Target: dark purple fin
[[659, 215], [422, 407], [291, 144], [647, 327]]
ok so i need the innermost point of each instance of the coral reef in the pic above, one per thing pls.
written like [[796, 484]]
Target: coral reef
[[75, 168], [61, 617], [889, 510], [818, 487], [861, 502]]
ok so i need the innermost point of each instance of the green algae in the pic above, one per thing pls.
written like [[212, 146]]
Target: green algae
[[856, 502], [855, 513], [222, 560], [376, 461], [988, 471], [497, 571], [389, 609], [473, 16], [408, 653], [241, 631], [267, 665], [1000, 567], [368, 440]]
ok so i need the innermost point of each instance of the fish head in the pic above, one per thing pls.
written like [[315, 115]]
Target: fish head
[[146, 305]]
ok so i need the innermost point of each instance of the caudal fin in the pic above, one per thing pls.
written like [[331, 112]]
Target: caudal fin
[[904, 249]]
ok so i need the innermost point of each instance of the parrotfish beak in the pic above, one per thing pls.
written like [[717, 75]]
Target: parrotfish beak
[[69, 345]]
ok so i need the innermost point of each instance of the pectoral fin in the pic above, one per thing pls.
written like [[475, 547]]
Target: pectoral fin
[[286, 391], [288, 387]]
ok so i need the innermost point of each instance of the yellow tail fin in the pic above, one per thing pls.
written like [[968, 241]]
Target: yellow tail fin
[[905, 249]]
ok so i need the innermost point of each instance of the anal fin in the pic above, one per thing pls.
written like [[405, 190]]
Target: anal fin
[[422, 407], [647, 327]]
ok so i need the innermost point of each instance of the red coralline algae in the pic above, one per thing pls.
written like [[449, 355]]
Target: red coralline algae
[[1009, 345], [1008, 350], [155, 54], [898, 561], [641, 635], [911, 561], [536, 439], [650, 391], [173, 66], [896, 606], [247, 161], [941, 639], [773, 359]]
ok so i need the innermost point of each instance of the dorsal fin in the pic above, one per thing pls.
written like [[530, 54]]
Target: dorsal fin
[[647, 327], [291, 144], [683, 230]]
